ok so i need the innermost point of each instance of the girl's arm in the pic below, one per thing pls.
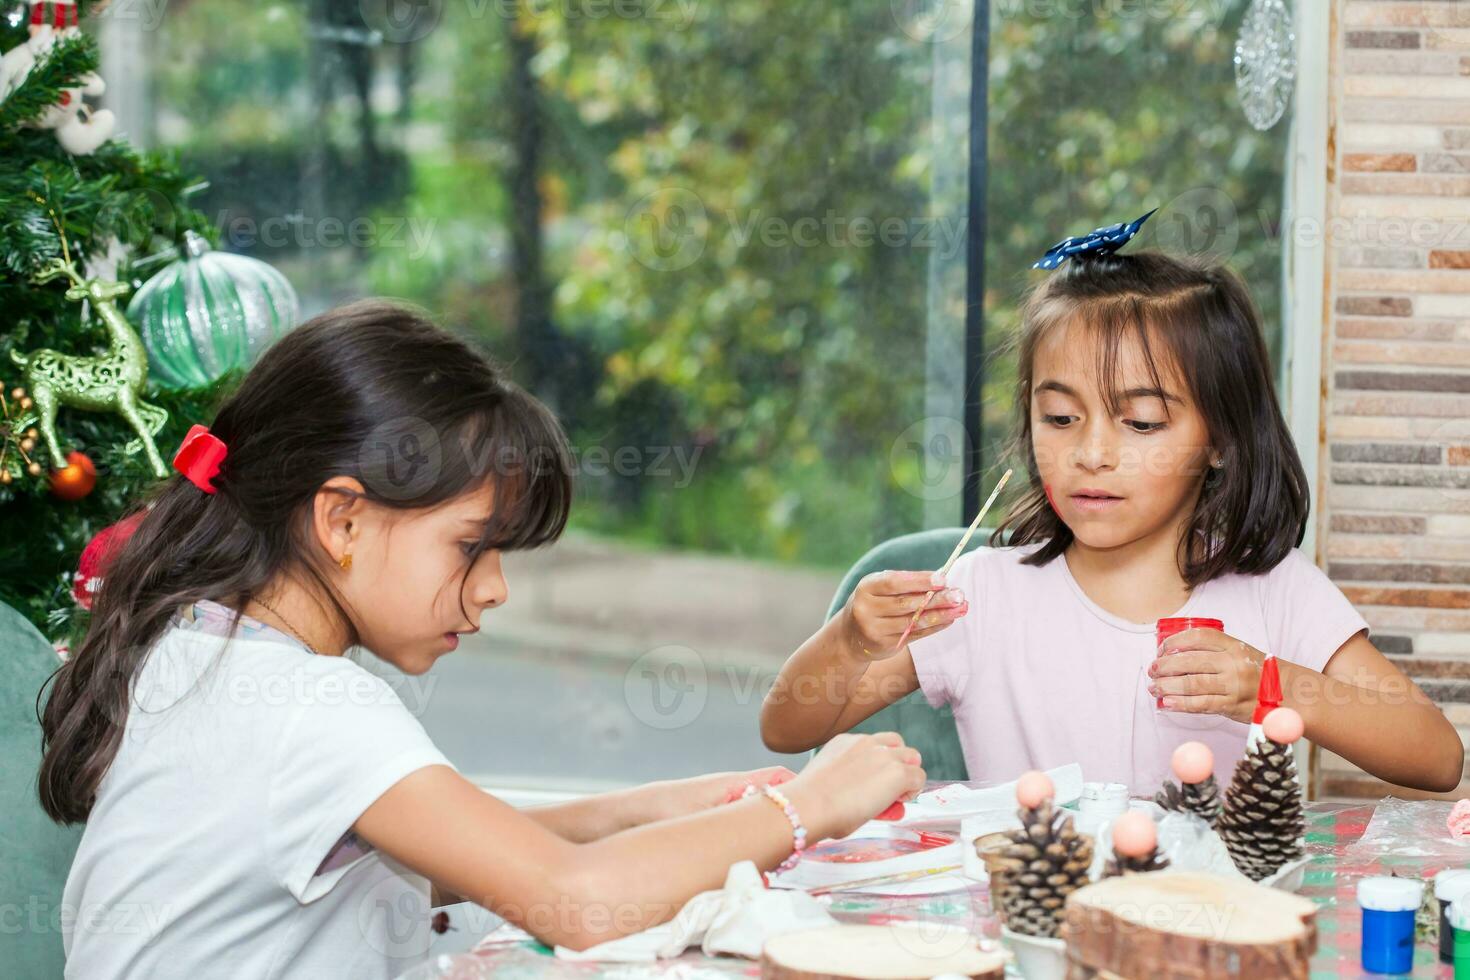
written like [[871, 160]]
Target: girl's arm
[[467, 842], [1360, 706], [594, 817], [1369, 712], [852, 666]]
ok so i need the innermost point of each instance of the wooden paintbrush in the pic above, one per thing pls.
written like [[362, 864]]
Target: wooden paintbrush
[[954, 555], [891, 879]]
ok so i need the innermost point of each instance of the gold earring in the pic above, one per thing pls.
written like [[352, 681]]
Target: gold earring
[[345, 562]]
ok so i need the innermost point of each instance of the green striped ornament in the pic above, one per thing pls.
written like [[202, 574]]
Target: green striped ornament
[[209, 313]]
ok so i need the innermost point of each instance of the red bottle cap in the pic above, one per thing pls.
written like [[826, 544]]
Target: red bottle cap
[[1268, 692], [1168, 627]]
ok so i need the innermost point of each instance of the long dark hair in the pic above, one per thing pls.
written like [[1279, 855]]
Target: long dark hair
[[1253, 510], [373, 391]]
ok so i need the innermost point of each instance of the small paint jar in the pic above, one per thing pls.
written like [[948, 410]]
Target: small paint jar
[[1449, 885], [1389, 905], [1103, 800], [1458, 917]]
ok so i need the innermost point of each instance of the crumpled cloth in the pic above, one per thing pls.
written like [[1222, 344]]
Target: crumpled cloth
[[737, 919]]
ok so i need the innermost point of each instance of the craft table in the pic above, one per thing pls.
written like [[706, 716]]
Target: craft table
[[1331, 877]]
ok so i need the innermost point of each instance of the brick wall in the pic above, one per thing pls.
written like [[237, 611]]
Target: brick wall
[[1394, 529]]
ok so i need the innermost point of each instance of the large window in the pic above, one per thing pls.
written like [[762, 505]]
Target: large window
[[727, 242]]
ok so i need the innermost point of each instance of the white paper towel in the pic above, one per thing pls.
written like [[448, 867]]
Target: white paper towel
[[737, 919]]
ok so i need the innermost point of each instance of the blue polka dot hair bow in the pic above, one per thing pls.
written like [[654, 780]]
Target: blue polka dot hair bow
[[1104, 241]]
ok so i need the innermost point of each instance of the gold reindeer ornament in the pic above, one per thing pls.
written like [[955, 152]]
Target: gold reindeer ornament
[[108, 382]]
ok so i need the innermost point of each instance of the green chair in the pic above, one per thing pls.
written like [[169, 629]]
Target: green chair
[[35, 853], [930, 730]]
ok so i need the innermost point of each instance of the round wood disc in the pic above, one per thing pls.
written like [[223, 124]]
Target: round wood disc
[[896, 952]]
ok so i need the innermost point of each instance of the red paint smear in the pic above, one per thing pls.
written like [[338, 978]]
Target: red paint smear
[[1049, 498]]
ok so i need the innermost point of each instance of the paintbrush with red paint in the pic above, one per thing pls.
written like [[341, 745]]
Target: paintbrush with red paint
[[954, 556]]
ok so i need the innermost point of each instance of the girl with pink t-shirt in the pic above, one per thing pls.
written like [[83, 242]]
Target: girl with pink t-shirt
[[1163, 483]]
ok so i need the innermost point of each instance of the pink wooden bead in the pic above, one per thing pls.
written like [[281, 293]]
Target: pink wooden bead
[[1283, 726], [1134, 834], [1033, 787], [1193, 762]]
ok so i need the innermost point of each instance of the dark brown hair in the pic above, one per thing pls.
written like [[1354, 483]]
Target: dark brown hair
[[373, 391], [1253, 510]]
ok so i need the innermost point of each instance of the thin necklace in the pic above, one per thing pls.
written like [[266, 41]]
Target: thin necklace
[[294, 631]]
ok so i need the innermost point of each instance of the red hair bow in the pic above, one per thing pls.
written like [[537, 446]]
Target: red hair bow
[[199, 457]]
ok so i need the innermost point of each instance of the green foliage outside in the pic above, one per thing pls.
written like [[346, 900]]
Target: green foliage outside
[[611, 197]]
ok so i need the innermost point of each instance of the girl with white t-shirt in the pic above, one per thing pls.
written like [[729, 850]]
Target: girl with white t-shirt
[[1163, 484], [259, 805]]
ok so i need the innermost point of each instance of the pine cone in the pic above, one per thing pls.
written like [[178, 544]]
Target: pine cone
[[1153, 861], [1201, 799], [1045, 862], [1261, 822]]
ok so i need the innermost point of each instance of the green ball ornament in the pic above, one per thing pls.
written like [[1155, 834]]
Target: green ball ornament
[[209, 313]]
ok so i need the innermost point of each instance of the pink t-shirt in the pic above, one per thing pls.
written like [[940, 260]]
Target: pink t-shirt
[[1040, 676]]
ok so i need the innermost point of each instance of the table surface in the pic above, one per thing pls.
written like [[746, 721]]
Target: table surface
[[1331, 879]]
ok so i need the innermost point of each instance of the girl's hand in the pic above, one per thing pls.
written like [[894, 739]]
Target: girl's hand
[[679, 797], [852, 779], [883, 603], [1205, 671]]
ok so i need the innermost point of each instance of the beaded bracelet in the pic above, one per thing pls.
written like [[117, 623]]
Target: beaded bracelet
[[798, 832]]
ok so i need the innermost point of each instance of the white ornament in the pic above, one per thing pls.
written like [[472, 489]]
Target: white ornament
[[79, 129], [1265, 62]]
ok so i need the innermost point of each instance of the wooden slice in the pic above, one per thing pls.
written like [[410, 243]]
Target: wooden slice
[[896, 952], [1187, 925]]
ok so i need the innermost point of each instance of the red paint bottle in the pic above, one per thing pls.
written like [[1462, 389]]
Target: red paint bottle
[[1166, 628]]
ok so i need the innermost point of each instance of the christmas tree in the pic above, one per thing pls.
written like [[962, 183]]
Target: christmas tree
[[72, 198]]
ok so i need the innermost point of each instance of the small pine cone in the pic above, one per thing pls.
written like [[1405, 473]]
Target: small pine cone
[[1262, 821], [1201, 799], [1045, 862], [1119, 865]]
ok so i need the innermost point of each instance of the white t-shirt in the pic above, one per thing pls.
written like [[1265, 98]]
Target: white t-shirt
[[220, 844]]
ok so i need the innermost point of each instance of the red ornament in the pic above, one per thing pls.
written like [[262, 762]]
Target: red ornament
[[98, 555], [74, 480]]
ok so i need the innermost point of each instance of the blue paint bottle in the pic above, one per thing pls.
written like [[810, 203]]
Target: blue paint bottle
[[1389, 906]]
